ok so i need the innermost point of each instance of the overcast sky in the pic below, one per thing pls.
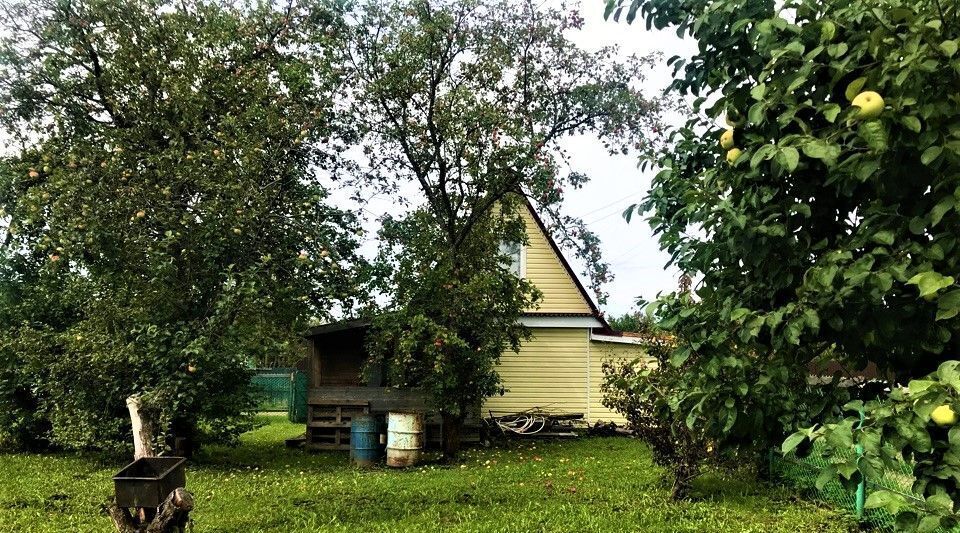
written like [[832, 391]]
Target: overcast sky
[[631, 249]]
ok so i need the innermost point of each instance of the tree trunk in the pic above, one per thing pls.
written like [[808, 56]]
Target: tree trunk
[[684, 474], [142, 428], [172, 516], [174, 513], [451, 435]]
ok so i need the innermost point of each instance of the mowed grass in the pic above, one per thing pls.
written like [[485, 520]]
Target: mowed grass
[[590, 484]]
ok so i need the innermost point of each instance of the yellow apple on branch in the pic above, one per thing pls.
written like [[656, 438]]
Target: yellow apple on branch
[[944, 416], [733, 154], [726, 140], [870, 104]]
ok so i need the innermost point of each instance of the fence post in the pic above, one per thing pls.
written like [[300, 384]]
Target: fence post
[[770, 463], [861, 494]]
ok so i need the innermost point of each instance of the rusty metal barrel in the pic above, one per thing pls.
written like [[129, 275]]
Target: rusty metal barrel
[[365, 448], [404, 438]]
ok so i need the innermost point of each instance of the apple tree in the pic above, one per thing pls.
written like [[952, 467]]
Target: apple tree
[[163, 225], [450, 321], [467, 103], [814, 195]]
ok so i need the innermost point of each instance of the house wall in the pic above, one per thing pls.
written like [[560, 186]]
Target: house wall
[[543, 269], [559, 370], [599, 353], [550, 372]]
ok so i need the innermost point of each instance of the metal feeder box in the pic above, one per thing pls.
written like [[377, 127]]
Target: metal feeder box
[[148, 481]]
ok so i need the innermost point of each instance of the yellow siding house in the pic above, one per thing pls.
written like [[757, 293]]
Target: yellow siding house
[[560, 368]]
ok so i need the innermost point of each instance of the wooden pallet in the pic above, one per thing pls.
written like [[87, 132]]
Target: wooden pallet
[[328, 425]]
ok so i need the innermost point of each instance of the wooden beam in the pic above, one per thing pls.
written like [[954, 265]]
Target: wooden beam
[[314, 364], [381, 399]]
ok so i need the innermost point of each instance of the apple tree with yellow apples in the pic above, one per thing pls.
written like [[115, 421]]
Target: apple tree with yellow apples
[[916, 424], [829, 243]]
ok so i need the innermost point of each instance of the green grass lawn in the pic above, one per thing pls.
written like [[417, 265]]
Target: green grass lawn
[[584, 485]]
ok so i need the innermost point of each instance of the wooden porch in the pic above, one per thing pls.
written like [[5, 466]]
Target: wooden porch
[[331, 409], [340, 389]]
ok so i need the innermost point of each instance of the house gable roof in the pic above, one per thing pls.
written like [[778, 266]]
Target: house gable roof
[[589, 306], [586, 307]]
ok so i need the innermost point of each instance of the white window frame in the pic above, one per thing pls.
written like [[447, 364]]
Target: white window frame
[[523, 261], [522, 266]]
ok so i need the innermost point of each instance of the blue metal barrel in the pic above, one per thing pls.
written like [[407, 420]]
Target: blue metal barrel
[[365, 448]]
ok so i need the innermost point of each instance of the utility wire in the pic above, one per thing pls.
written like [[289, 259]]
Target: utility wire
[[618, 212], [617, 201]]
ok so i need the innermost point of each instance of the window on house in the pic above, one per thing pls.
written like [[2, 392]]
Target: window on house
[[513, 252]]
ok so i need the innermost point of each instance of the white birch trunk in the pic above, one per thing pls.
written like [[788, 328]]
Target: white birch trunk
[[142, 429]]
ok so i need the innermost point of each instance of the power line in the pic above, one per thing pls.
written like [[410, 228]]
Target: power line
[[618, 212], [617, 201], [626, 253]]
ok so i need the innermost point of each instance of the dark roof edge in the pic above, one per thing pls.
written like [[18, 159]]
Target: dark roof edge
[[342, 325]]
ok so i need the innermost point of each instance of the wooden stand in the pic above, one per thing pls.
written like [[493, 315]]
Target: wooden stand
[[171, 517], [173, 514]]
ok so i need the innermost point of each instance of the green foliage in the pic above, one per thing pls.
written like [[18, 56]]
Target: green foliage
[[582, 485], [634, 322], [453, 317], [895, 428], [667, 399], [163, 226], [635, 389], [833, 237], [469, 102]]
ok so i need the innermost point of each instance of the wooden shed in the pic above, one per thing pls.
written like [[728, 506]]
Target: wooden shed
[[340, 388]]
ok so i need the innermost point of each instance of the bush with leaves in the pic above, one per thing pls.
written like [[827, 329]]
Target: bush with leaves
[[635, 390], [655, 396], [915, 424]]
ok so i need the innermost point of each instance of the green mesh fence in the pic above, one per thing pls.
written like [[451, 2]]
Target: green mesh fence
[[802, 475], [282, 390], [272, 387], [297, 405]]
